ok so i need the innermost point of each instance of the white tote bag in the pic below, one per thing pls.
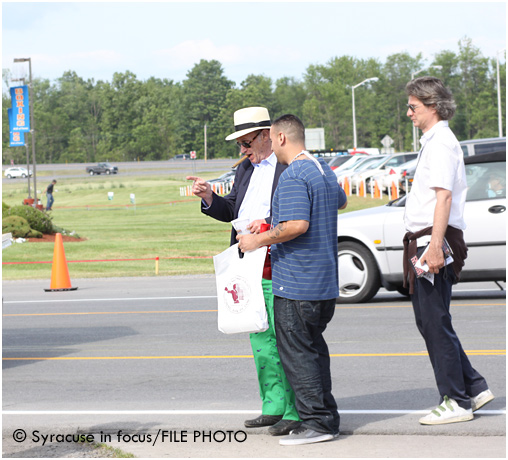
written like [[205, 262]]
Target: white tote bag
[[241, 303]]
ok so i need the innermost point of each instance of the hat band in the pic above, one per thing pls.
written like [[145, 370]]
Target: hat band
[[243, 126]]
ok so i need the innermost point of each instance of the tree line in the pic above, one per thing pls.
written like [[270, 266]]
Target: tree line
[[128, 119]]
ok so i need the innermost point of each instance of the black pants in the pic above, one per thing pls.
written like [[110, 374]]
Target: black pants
[[299, 327], [455, 376]]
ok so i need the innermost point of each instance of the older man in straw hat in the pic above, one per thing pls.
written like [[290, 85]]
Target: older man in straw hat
[[251, 199]]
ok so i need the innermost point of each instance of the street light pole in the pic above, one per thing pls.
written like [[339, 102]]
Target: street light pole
[[415, 129], [354, 114], [499, 115], [32, 123]]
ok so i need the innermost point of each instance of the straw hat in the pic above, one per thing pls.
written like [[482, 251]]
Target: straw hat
[[248, 120]]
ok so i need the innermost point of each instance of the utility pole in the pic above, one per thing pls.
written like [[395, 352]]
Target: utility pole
[[205, 145]]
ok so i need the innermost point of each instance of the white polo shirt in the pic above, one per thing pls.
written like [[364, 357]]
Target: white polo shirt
[[440, 164], [258, 198]]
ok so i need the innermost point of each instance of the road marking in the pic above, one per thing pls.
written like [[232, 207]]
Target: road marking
[[119, 299], [108, 312], [339, 355], [137, 312], [217, 412]]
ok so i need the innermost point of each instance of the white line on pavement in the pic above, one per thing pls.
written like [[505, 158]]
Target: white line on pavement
[[215, 412]]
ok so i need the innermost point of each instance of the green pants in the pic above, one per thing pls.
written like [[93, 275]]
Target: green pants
[[276, 393]]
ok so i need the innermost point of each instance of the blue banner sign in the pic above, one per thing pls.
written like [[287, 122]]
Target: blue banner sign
[[16, 138], [20, 109]]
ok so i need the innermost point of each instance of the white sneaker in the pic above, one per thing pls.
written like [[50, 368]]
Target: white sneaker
[[481, 399], [448, 412]]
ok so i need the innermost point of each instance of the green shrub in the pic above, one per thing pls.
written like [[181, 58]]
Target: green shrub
[[5, 208], [17, 226], [37, 220]]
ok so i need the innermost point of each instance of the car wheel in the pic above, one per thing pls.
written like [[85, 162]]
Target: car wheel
[[108, 171], [91, 173], [359, 278], [23, 176], [9, 176]]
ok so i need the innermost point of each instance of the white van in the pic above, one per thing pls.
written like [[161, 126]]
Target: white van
[[480, 146]]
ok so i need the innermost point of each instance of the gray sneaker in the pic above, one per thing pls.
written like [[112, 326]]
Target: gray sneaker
[[304, 435]]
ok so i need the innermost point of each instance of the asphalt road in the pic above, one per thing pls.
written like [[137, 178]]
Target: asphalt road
[[61, 171], [141, 353]]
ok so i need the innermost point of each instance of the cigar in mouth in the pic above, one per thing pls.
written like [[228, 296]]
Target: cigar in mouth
[[239, 161]]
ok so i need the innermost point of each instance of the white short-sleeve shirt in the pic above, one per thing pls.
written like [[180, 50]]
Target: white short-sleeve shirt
[[440, 164]]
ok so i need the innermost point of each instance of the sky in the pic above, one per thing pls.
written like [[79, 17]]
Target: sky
[[281, 39]]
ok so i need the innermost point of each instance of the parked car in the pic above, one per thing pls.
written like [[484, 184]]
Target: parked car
[[380, 168], [347, 168], [17, 171], [370, 240], [394, 173], [225, 178], [102, 168], [481, 146], [183, 156], [338, 160], [363, 165], [406, 177]]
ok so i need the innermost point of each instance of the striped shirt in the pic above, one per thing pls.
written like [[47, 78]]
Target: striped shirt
[[305, 268]]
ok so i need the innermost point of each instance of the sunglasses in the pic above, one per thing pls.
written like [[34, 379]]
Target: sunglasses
[[413, 107], [247, 145]]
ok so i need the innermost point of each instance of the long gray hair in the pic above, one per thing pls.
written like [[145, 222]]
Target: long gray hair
[[432, 92]]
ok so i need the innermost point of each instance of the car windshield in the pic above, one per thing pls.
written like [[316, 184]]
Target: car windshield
[[408, 164], [351, 162], [339, 160], [370, 164]]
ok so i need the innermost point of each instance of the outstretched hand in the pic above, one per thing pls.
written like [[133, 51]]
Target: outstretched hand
[[201, 188]]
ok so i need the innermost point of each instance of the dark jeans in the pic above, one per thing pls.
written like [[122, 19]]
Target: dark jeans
[[50, 202], [455, 377], [299, 327]]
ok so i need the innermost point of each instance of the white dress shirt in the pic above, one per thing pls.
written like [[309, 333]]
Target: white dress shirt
[[257, 201], [441, 165]]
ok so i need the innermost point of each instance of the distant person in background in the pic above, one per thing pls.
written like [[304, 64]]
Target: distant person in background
[[49, 195]]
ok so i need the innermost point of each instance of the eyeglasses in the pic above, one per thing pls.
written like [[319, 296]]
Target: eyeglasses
[[413, 107], [247, 145]]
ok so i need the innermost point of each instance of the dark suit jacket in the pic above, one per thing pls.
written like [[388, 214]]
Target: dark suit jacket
[[226, 208]]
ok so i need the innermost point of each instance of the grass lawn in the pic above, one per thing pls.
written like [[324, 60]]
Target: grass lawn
[[161, 224]]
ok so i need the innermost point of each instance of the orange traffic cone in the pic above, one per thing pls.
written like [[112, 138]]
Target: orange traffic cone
[[362, 189], [395, 191], [376, 190], [60, 280], [347, 189]]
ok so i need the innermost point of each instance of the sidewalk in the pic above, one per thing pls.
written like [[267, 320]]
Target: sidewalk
[[224, 437], [266, 446]]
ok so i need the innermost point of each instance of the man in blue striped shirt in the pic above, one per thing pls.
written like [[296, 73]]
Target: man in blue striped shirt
[[305, 275]]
